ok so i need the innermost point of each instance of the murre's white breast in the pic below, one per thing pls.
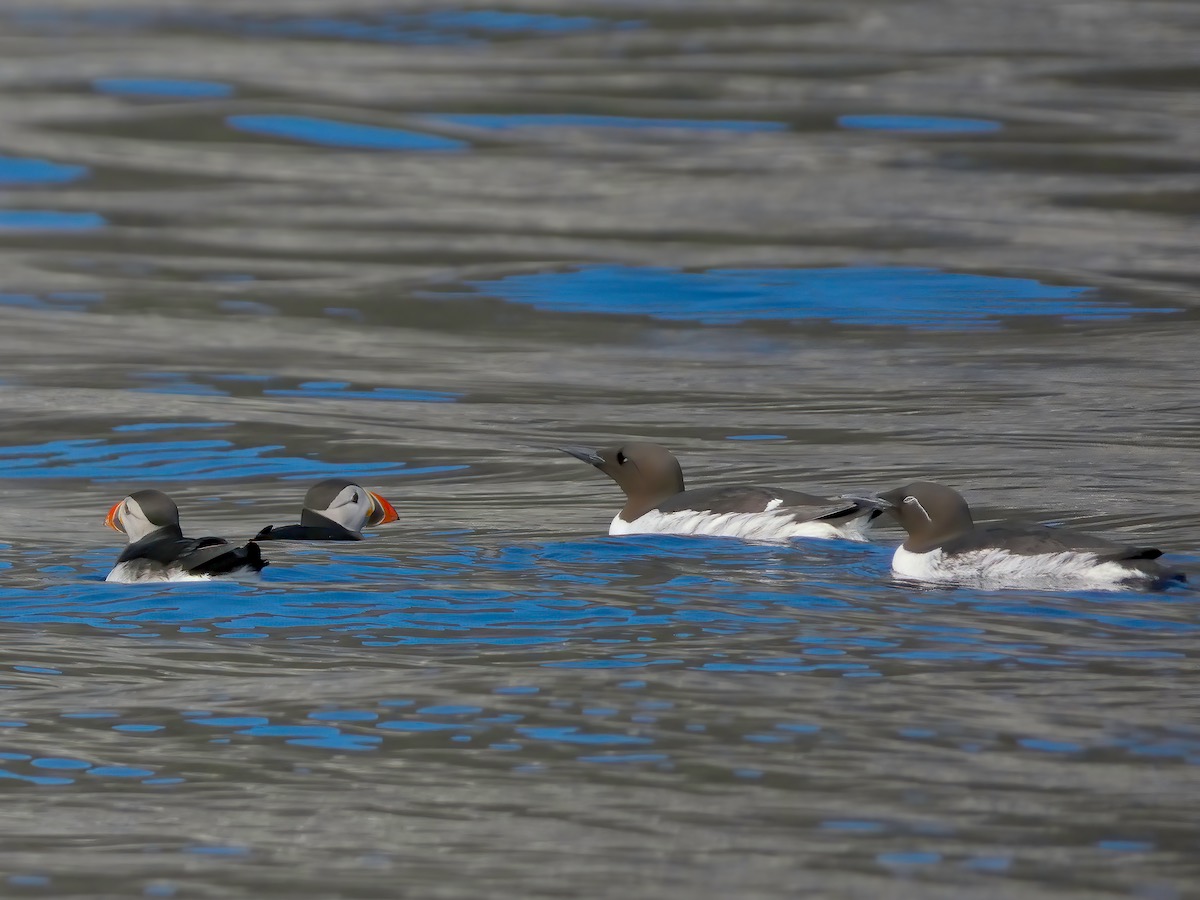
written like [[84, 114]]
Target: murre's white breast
[[996, 567], [761, 526]]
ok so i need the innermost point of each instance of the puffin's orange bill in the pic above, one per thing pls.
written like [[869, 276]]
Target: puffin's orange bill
[[383, 512], [111, 519]]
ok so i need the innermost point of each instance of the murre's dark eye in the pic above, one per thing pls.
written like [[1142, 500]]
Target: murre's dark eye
[[621, 457], [911, 499]]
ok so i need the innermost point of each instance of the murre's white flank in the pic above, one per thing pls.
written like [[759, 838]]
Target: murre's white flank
[[657, 503], [763, 526], [944, 546]]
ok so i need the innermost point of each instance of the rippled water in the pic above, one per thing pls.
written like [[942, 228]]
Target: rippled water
[[248, 245]]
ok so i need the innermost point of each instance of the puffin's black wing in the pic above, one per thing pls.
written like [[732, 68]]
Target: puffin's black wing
[[334, 532], [197, 556], [223, 558]]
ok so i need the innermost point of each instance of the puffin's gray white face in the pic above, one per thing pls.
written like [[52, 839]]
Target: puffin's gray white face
[[930, 513], [142, 513], [350, 505], [647, 473]]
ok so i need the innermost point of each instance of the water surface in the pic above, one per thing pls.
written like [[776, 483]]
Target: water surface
[[833, 247]]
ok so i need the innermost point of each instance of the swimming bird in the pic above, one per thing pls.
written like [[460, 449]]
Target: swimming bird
[[656, 502], [158, 551], [334, 510], [945, 545]]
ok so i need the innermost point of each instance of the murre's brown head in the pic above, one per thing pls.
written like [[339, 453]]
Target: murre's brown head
[[931, 514], [647, 473], [142, 513]]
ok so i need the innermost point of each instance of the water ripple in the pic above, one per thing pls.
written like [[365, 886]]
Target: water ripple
[[434, 27], [923, 299], [165, 461], [176, 88], [348, 135], [20, 171]]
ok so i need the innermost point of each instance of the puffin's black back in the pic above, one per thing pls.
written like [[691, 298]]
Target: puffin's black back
[[196, 556], [334, 532], [313, 527], [232, 560]]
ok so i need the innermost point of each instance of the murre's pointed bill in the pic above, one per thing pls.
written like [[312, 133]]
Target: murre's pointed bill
[[944, 545], [158, 551], [656, 501], [584, 453], [334, 510]]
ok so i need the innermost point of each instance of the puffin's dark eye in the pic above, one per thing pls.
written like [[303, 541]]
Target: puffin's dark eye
[[354, 499], [621, 457]]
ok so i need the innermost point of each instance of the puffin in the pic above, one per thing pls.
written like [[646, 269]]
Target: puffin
[[158, 551], [944, 545], [656, 502], [334, 510]]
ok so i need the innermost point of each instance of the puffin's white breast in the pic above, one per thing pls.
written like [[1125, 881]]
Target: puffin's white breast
[[141, 571]]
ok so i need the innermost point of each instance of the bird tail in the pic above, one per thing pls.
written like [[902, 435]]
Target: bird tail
[[856, 507], [254, 557]]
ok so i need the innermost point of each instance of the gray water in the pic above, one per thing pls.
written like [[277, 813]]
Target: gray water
[[829, 246]]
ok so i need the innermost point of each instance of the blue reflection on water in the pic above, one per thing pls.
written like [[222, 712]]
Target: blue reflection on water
[[66, 770], [220, 385], [920, 124], [1049, 746], [925, 299], [909, 858], [337, 390], [17, 170], [509, 122], [381, 593], [347, 135], [217, 850], [435, 27], [177, 88], [30, 881], [168, 426], [49, 220], [61, 301], [197, 460], [248, 307], [572, 735], [503, 21], [590, 608], [1125, 846]]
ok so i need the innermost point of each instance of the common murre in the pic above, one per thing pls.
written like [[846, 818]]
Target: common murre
[[944, 545], [656, 502]]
